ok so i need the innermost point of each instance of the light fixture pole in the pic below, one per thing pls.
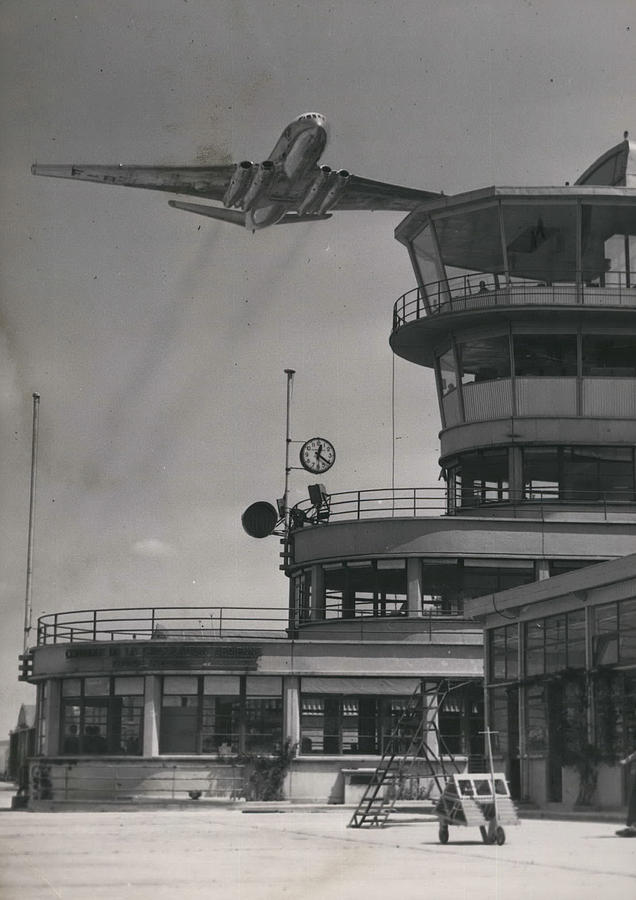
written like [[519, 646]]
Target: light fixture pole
[[290, 378]]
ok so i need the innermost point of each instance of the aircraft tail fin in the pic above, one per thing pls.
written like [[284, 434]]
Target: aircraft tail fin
[[213, 212]]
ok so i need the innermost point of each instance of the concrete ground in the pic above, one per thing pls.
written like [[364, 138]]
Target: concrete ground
[[245, 853]]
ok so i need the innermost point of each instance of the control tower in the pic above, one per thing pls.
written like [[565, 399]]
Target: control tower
[[526, 310]]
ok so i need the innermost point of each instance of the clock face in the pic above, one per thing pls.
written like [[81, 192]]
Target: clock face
[[317, 455]]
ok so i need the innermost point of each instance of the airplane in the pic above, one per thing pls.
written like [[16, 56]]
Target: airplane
[[289, 186]]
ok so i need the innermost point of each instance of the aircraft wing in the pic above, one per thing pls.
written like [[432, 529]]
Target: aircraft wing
[[208, 182], [362, 193]]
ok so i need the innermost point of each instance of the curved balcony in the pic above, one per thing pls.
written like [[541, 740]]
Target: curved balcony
[[475, 291], [162, 623]]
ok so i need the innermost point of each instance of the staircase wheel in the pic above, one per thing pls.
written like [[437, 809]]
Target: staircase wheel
[[500, 836], [443, 834]]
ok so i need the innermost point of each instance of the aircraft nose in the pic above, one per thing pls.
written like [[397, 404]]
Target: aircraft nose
[[316, 117]]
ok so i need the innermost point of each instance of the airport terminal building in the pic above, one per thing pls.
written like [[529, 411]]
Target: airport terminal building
[[525, 314]]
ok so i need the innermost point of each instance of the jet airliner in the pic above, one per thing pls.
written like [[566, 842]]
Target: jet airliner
[[289, 186]]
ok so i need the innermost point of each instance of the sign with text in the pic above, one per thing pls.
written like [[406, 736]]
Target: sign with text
[[163, 655]]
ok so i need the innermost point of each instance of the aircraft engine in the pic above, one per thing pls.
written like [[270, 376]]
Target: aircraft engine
[[260, 182], [239, 182], [336, 187], [316, 187]]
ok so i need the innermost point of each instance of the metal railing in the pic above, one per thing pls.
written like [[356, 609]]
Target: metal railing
[[428, 501], [160, 623], [383, 503], [475, 291]]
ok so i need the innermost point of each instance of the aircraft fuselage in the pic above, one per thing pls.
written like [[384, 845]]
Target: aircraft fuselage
[[296, 152]]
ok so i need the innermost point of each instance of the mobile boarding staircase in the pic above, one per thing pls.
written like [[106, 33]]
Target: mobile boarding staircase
[[408, 747]]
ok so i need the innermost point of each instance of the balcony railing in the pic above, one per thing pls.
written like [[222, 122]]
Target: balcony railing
[[469, 292], [161, 623], [378, 503], [383, 503]]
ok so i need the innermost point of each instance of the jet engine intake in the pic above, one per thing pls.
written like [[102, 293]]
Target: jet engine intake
[[338, 183], [314, 191], [261, 181], [243, 174]]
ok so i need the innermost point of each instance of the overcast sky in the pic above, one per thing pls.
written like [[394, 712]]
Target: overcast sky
[[158, 339]]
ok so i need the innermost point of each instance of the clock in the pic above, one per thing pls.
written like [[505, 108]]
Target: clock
[[317, 455]]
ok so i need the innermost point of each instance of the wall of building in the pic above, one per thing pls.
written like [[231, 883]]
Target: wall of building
[[560, 666]]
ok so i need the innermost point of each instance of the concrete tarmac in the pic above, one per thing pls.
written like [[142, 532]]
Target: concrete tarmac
[[241, 854]]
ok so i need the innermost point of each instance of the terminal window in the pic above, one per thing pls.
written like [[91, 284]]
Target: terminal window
[[102, 715]]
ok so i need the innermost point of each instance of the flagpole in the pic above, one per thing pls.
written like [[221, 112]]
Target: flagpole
[[28, 603]]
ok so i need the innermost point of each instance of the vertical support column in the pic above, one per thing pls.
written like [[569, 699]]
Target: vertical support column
[[291, 709], [589, 665], [152, 707], [516, 474], [52, 712], [524, 765], [318, 600], [242, 722], [414, 586], [542, 569]]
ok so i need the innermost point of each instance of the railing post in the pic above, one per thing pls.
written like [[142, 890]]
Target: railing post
[[94, 624], [221, 622], [55, 628], [358, 506]]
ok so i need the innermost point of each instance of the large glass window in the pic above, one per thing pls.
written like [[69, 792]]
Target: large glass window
[[446, 582], [608, 245], [614, 633], [609, 355], [102, 715], [461, 719], [504, 653], [302, 594], [615, 709], [484, 359], [541, 240], [430, 267], [545, 354], [471, 239], [488, 576], [447, 372], [481, 477], [366, 588], [580, 474], [555, 643], [210, 714], [337, 724], [536, 719], [42, 718], [504, 720]]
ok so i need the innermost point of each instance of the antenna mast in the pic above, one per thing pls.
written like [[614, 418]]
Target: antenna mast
[[28, 604]]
